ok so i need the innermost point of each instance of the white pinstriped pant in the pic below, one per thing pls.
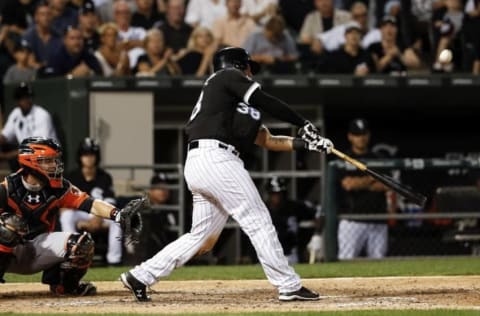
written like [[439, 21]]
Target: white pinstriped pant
[[221, 187]]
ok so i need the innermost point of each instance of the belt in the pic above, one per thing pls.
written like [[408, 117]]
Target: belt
[[203, 143]]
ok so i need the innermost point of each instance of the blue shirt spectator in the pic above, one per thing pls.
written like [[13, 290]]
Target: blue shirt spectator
[[72, 58], [41, 38]]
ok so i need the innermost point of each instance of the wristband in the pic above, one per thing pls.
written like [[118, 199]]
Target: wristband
[[299, 144], [113, 213]]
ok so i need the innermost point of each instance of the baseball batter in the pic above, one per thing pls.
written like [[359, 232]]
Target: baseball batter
[[29, 203], [221, 186]]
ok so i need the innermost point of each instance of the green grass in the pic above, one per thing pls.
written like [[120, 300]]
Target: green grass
[[397, 267], [345, 313]]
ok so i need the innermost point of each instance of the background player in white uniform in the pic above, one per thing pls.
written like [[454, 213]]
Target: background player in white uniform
[[221, 186], [25, 120], [90, 178]]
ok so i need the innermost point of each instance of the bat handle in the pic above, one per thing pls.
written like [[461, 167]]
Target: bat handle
[[349, 159]]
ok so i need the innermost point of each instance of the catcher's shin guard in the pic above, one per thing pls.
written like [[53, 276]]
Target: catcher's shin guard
[[80, 251], [65, 277]]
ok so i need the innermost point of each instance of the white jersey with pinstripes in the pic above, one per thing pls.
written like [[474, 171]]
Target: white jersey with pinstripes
[[222, 187]]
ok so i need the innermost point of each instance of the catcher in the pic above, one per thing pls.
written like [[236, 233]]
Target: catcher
[[30, 200]]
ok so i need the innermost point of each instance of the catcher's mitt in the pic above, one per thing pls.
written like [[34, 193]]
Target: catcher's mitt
[[130, 219], [12, 229]]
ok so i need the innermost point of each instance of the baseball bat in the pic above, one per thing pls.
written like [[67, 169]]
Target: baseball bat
[[401, 189]]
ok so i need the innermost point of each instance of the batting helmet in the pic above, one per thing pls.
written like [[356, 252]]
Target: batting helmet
[[89, 146], [41, 157], [276, 184], [235, 57], [22, 90]]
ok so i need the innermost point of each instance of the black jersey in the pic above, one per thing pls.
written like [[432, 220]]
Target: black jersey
[[360, 201], [246, 123], [101, 187], [212, 116]]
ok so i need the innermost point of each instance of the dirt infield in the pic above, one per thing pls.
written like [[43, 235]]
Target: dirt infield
[[254, 295]]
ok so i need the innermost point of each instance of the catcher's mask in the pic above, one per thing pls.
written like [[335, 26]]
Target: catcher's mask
[[89, 146], [235, 57], [41, 157]]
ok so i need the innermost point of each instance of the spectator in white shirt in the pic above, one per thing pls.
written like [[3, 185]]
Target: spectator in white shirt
[[205, 12], [131, 37], [26, 120], [260, 10]]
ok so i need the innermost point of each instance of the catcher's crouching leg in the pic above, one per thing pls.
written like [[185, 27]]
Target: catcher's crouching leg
[[64, 278]]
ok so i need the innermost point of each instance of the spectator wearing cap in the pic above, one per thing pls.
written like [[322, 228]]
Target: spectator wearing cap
[[205, 12], [322, 19], [87, 24], [351, 58], [286, 215], [131, 37], [41, 37], [112, 56], [145, 15], [73, 59], [21, 71], [389, 56], [234, 28], [361, 194], [447, 25], [63, 15], [273, 47], [26, 120], [175, 30]]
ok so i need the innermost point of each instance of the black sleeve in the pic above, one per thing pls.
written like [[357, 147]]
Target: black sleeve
[[240, 85], [276, 108]]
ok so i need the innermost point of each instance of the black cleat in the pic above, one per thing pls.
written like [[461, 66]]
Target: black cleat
[[138, 289], [303, 294]]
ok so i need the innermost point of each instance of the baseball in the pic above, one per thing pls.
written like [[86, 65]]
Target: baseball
[[445, 56]]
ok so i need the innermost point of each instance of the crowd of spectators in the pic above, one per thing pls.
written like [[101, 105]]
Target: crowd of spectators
[[77, 38]]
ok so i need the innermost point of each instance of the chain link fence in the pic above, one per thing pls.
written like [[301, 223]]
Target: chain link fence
[[449, 223]]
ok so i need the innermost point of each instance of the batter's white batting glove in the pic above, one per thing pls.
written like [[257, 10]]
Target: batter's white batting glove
[[321, 144], [308, 132]]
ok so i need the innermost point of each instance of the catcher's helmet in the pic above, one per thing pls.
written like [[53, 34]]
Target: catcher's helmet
[[89, 146], [22, 90], [41, 157], [235, 57], [276, 184]]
